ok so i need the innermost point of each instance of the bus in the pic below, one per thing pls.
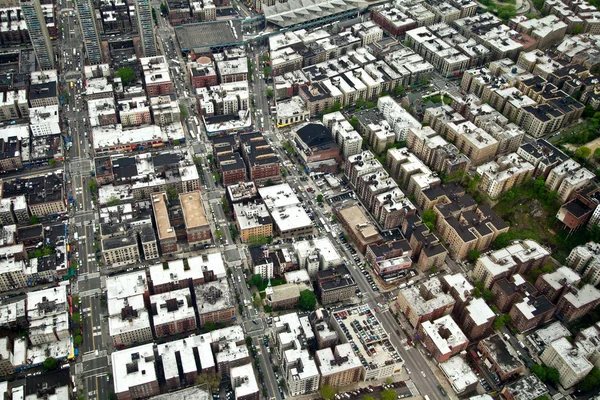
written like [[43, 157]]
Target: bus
[[426, 397], [327, 229]]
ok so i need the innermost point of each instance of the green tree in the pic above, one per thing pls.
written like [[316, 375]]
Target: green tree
[[172, 193], [399, 91], [360, 103], [52, 162], [473, 255], [487, 295], [583, 152], [327, 392], [577, 29], [388, 394], [126, 74], [356, 123], [154, 17], [506, 12], [429, 216], [552, 375], [591, 381], [267, 71], [388, 381], [209, 327], [256, 280], [163, 9], [33, 220], [308, 300], [210, 380], [248, 341], [76, 317], [93, 186], [269, 182], [217, 177], [319, 198], [113, 201], [50, 364], [501, 241], [77, 340], [425, 80], [597, 154], [183, 112], [269, 93], [501, 321]]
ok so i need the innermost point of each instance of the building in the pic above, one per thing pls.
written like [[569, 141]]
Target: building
[[242, 192], [478, 319], [542, 155], [553, 285], [87, 23], [215, 302], [119, 251], [134, 373], [502, 175], [262, 262], [527, 388], [253, 221], [361, 231], [531, 312], [443, 338], [261, 160], [172, 312], [349, 141], [289, 218], [359, 325], [232, 167], [389, 259], [167, 239], [291, 111], [568, 177], [44, 194], [516, 258], [340, 367], [48, 315], [508, 291], [504, 359], [585, 261], [197, 228], [156, 75], [38, 33], [317, 254], [335, 285], [128, 319], [460, 375], [317, 148], [202, 73], [143, 13], [285, 296], [244, 383], [424, 302], [570, 361], [575, 303], [234, 70]]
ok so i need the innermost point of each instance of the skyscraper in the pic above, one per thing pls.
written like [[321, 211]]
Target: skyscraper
[[38, 32], [145, 28], [85, 12]]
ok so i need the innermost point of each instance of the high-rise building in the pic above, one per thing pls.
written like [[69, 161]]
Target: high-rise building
[[145, 27], [85, 13], [38, 32]]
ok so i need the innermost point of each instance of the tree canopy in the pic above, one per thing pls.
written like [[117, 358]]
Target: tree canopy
[[126, 74], [308, 300], [50, 363], [388, 394], [327, 392], [591, 381]]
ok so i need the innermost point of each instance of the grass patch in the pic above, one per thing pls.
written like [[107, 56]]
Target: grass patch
[[263, 295], [267, 308], [274, 282]]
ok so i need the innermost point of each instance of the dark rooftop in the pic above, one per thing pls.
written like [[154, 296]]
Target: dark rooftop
[[317, 137], [231, 162], [124, 168], [385, 248], [30, 232], [46, 383], [577, 208], [203, 36], [42, 91]]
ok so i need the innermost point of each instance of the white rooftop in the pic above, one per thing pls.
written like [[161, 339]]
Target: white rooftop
[[459, 373], [444, 333], [327, 361], [185, 308], [133, 367], [243, 380], [480, 312]]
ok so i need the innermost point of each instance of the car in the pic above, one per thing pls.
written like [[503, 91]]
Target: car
[[408, 370], [423, 373]]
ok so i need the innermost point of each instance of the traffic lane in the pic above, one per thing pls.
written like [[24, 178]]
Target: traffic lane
[[267, 370]]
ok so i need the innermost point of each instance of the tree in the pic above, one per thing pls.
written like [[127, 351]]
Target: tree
[[76, 317], [154, 17], [327, 392], [473, 255], [248, 341], [429, 216], [501, 241], [487, 295], [583, 152], [506, 12], [267, 71], [209, 327], [77, 340], [399, 91], [269, 182], [51, 162], [501, 321], [256, 280], [552, 375], [50, 363], [211, 380], [269, 93], [163, 9], [93, 186], [172, 193], [308, 300], [388, 381], [356, 123], [388, 394], [319, 198], [424, 80], [126, 74], [113, 201], [33, 220], [591, 381]]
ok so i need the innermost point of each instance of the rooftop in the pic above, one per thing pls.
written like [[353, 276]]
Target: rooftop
[[459, 373], [172, 306], [213, 296], [480, 312], [132, 367], [202, 36], [343, 359], [243, 380], [445, 334], [193, 210]]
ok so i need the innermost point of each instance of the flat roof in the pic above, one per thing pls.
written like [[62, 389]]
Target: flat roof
[[213, 296], [161, 216], [208, 262], [243, 380], [329, 364], [133, 367], [125, 285], [459, 373], [480, 312], [172, 306], [444, 333], [209, 34], [193, 211]]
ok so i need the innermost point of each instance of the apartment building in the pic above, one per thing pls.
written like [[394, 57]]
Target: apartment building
[[340, 367], [443, 338], [511, 290], [575, 303], [48, 315], [361, 231], [389, 259], [392, 20], [335, 285], [167, 237], [119, 251], [519, 258], [424, 302], [202, 73], [244, 383], [234, 70], [531, 312], [261, 160], [172, 312], [498, 177], [568, 177], [156, 76], [585, 260], [197, 228], [478, 319], [134, 373], [569, 360], [504, 359], [289, 219], [215, 302], [348, 140], [555, 284]]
